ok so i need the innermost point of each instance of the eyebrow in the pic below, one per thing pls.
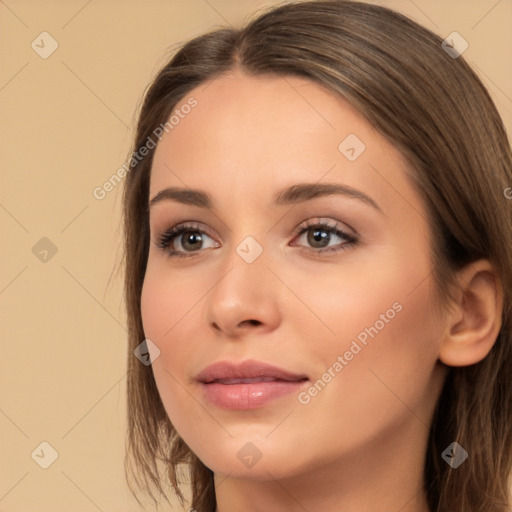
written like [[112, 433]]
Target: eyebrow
[[294, 194]]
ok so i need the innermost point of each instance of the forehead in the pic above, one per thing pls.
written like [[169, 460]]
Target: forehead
[[265, 112], [247, 135]]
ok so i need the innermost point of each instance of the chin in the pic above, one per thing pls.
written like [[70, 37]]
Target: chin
[[251, 458]]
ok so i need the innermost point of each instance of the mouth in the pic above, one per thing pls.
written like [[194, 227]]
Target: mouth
[[248, 380], [247, 385]]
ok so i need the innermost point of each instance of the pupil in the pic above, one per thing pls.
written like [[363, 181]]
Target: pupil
[[191, 237], [318, 235]]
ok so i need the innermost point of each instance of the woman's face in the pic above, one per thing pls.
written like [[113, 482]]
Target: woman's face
[[343, 313]]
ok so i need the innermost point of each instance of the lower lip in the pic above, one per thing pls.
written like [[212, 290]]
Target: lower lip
[[249, 396]]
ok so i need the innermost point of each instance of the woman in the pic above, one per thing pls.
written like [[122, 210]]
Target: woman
[[318, 247]]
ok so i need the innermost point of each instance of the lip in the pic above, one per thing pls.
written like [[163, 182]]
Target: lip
[[247, 385]]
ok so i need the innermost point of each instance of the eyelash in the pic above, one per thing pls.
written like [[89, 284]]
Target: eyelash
[[168, 236]]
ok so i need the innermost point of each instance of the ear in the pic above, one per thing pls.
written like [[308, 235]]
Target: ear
[[475, 320]]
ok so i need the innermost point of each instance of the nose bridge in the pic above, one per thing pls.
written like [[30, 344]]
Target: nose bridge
[[243, 292], [244, 269], [248, 245]]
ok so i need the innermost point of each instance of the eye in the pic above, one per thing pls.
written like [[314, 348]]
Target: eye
[[319, 235], [182, 239], [185, 239]]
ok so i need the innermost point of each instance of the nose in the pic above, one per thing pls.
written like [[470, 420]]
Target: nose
[[244, 299]]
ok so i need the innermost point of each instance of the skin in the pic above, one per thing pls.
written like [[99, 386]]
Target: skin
[[358, 445]]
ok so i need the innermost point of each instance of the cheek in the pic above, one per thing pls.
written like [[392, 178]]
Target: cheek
[[169, 300], [387, 333], [389, 346], [172, 313], [156, 303], [161, 311], [166, 310]]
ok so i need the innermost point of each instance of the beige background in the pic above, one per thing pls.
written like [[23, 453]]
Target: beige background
[[67, 122]]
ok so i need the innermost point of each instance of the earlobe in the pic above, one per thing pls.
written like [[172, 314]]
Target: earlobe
[[475, 319]]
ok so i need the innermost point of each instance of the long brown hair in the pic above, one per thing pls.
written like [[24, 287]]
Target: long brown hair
[[436, 111]]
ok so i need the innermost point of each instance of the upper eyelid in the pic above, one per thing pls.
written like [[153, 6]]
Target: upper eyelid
[[311, 222], [330, 223]]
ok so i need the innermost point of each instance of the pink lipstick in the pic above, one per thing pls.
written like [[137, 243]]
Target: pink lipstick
[[247, 385]]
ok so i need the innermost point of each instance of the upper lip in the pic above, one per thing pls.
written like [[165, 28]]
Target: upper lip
[[249, 369]]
